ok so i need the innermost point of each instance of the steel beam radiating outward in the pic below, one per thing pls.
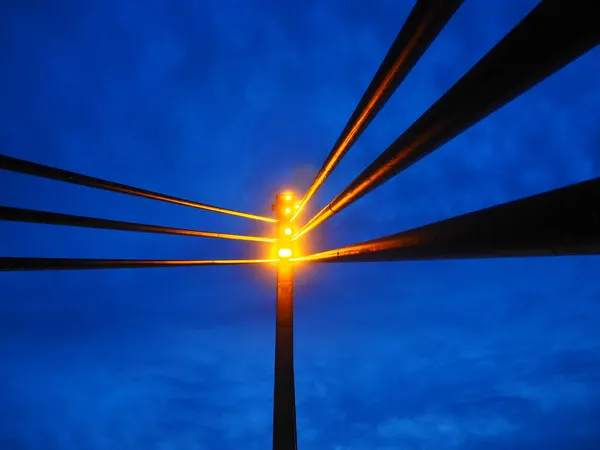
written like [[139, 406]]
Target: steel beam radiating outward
[[40, 170], [284, 396], [424, 23], [552, 35], [564, 221], [34, 216], [20, 264]]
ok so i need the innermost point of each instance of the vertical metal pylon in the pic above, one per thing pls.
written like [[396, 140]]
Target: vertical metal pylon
[[284, 407]]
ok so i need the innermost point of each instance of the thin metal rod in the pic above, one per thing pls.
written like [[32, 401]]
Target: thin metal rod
[[561, 222], [40, 170], [24, 264], [424, 23], [555, 33], [35, 216]]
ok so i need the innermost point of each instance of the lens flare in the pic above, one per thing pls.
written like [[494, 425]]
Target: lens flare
[[284, 252]]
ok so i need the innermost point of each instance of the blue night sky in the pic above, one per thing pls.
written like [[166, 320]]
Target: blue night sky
[[228, 102]]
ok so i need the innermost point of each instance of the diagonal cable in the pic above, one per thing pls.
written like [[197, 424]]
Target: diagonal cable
[[29, 264], [40, 170], [424, 23], [51, 218], [551, 36], [560, 222]]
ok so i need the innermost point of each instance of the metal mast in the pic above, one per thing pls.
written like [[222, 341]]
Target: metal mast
[[284, 403]]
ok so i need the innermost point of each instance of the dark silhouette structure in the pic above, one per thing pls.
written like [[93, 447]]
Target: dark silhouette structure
[[560, 222]]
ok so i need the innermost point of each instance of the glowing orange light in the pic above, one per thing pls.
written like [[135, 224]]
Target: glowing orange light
[[297, 205], [284, 252], [287, 211], [288, 197], [287, 231]]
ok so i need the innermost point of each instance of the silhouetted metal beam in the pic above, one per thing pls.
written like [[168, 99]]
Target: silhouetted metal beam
[[35, 216], [21, 264], [555, 33], [561, 222], [424, 23], [40, 170]]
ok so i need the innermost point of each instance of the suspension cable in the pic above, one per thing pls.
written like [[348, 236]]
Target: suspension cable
[[560, 222], [40, 170], [28, 264], [424, 23], [51, 218], [552, 35]]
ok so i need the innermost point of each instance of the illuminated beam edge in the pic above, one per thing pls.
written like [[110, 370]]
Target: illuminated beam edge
[[28, 264], [561, 222], [40, 170], [551, 36], [50, 218], [426, 20]]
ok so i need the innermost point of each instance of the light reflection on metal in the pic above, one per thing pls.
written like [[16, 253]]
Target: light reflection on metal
[[424, 23], [561, 222], [35, 216], [552, 35], [40, 170], [28, 264]]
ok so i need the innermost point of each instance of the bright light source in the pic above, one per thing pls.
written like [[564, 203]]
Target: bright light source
[[284, 252], [287, 210], [287, 231], [297, 205], [288, 197]]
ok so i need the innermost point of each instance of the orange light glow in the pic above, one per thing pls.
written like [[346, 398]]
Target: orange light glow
[[287, 211], [288, 197], [284, 252], [287, 231], [297, 205]]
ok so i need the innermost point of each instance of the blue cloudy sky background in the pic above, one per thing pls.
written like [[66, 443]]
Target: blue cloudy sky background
[[227, 103]]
